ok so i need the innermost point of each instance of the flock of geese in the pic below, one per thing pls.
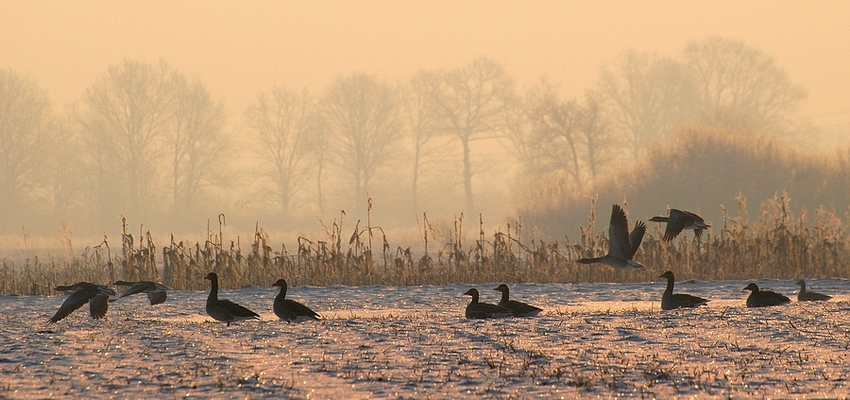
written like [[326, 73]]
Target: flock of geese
[[99, 296], [622, 246]]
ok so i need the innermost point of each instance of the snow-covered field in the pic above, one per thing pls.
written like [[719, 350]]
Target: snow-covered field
[[593, 340]]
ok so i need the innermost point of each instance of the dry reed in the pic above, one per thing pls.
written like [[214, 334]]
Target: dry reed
[[776, 245]]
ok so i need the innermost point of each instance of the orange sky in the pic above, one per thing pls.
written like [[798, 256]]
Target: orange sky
[[241, 48]]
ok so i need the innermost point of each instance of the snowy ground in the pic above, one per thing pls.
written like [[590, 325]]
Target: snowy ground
[[593, 340]]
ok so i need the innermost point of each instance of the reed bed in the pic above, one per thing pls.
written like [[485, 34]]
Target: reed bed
[[776, 245]]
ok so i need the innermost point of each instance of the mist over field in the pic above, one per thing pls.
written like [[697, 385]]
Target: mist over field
[[376, 160], [190, 118]]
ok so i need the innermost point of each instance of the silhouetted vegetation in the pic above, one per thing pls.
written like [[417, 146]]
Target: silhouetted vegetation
[[776, 244], [704, 170]]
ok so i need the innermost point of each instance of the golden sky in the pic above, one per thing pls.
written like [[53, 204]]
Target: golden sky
[[240, 48]]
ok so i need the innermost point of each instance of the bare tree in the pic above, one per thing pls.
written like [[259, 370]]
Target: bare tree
[[362, 118], [319, 147], [740, 84], [562, 138], [555, 131], [596, 133], [27, 129], [472, 106], [421, 112], [282, 126], [197, 144], [124, 116], [647, 97]]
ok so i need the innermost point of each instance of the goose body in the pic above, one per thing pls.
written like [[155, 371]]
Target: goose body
[[670, 301], [291, 310], [803, 295], [519, 309], [225, 310], [81, 293], [156, 292], [476, 310], [764, 298], [678, 221], [622, 246]]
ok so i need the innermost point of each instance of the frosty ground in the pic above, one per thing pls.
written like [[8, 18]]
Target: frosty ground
[[593, 340]]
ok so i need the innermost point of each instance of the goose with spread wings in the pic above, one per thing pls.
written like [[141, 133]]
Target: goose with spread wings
[[622, 246], [81, 293], [678, 221]]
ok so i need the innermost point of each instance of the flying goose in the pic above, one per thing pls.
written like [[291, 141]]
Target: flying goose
[[679, 220], [803, 295], [225, 310], [764, 298], [621, 245], [476, 310], [156, 292], [82, 293], [670, 301], [291, 310], [519, 309]]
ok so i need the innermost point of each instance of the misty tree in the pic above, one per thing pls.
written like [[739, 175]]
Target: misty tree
[[364, 127], [740, 87], [196, 143], [647, 97], [319, 149], [27, 133], [148, 134], [562, 139], [421, 115], [124, 115], [282, 124], [472, 103], [596, 131]]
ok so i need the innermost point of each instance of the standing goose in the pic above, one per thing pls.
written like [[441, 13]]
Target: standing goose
[[156, 292], [291, 310], [621, 246], [670, 301], [764, 298], [680, 220], [225, 310], [82, 293], [519, 309], [476, 310], [803, 295]]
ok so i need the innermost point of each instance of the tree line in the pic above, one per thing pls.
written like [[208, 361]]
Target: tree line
[[150, 144]]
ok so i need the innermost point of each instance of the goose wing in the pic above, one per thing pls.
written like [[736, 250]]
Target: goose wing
[[521, 309], [73, 303], [686, 300], [291, 310], [635, 238], [486, 310], [675, 223], [135, 287], [618, 233], [157, 296], [237, 310], [98, 305]]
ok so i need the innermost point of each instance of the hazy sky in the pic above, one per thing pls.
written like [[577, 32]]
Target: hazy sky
[[240, 48]]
